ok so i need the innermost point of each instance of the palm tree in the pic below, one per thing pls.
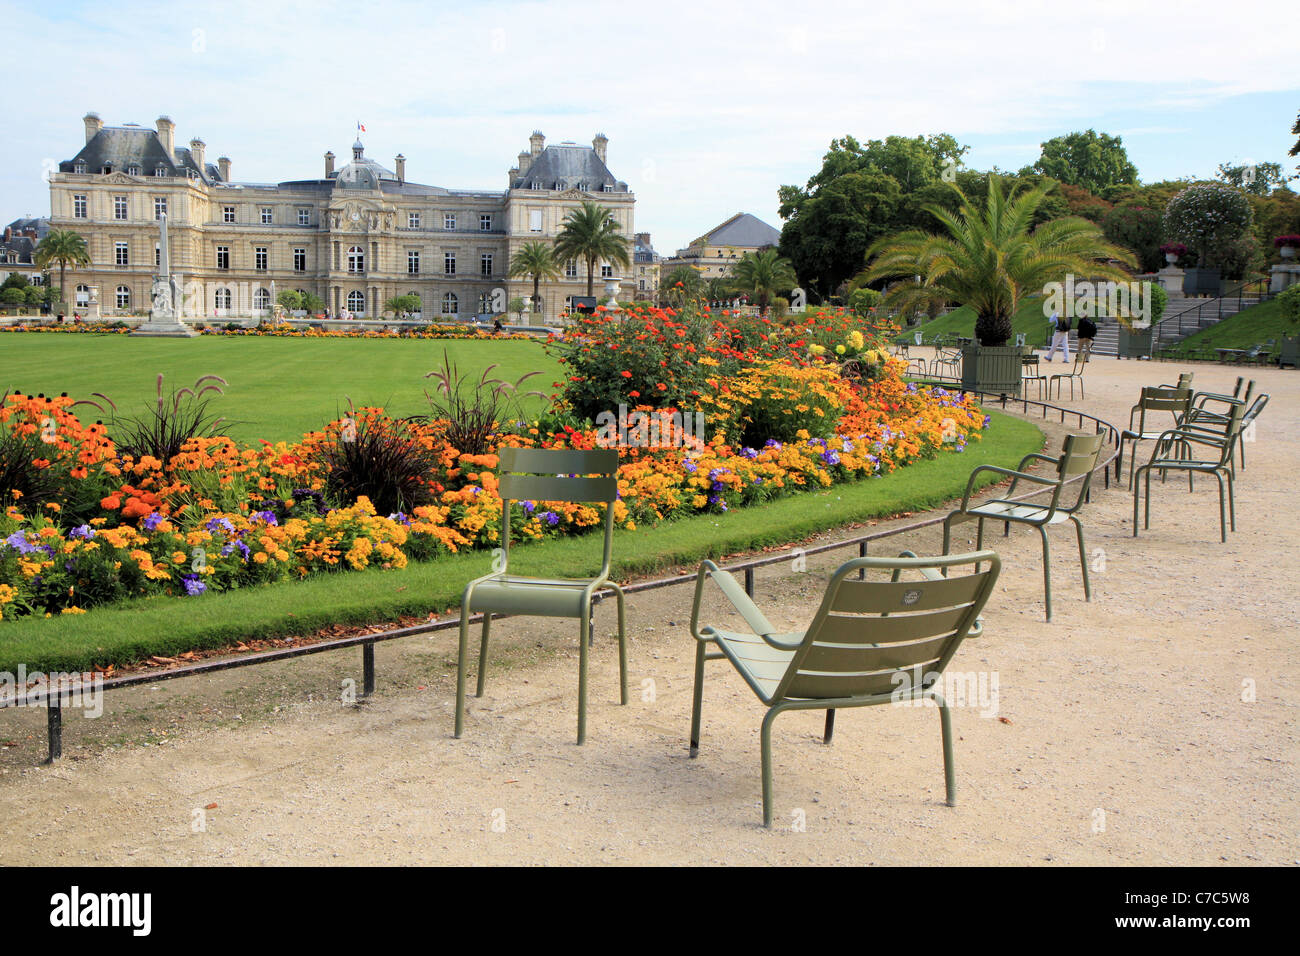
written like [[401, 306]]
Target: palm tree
[[681, 286], [535, 259], [66, 248], [762, 275], [590, 233], [989, 260]]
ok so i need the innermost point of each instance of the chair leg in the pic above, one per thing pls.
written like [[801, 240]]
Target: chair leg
[[1146, 513], [584, 637], [1083, 559], [767, 765], [460, 670], [622, 646], [947, 538], [830, 726], [1047, 571], [949, 770], [482, 654], [1232, 504], [979, 541], [697, 699], [1223, 517], [1137, 493]]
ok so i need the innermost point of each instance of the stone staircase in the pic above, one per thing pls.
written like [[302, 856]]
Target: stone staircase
[[1181, 319]]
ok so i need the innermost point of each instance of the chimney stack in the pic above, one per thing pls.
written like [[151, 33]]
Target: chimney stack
[[400, 160], [93, 125], [224, 165], [600, 144], [329, 164], [166, 136], [197, 151], [537, 142], [525, 160]]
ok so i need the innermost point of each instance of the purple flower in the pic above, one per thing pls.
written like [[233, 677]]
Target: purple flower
[[153, 521], [400, 518], [830, 456], [220, 524], [85, 532], [772, 443], [528, 506], [193, 586], [689, 465], [748, 452], [266, 516], [550, 517], [18, 540]]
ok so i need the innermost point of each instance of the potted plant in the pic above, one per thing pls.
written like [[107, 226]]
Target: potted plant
[[1208, 218], [1290, 303], [982, 262], [1287, 245], [1173, 252]]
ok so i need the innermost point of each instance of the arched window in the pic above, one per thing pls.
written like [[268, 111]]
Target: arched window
[[419, 309], [261, 300], [450, 304], [356, 259], [357, 303], [123, 297], [221, 299], [83, 296]]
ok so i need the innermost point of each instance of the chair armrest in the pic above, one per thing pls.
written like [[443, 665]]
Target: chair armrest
[[1038, 455], [1015, 475], [732, 590]]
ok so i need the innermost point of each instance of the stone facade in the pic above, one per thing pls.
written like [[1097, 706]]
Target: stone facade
[[714, 253], [355, 237]]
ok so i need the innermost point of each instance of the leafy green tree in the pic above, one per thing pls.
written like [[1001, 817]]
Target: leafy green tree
[[35, 295], [311, 302], [990, 260], [290, 299], [65, 247], [762, 275], [1088, 159], [536, 259], [1136, 228], [826, 239], [863, 300], [719, 288], [13, 296], [1259, 179], [516, 305], [1208, 218], [403, 304], [590, 233], [15, 280]]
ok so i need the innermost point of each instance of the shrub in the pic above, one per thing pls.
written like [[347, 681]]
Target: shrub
[[1289, 300], [473, 410], [1159, 299], [779, 401], [366, 453], [1208, 218], [47, 457], [162, 430]]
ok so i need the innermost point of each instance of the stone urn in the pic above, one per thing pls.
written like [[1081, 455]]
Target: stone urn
[[1286, 252], [1171, 257]]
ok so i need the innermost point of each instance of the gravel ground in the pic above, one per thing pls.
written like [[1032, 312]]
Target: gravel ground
[[1154, 725]]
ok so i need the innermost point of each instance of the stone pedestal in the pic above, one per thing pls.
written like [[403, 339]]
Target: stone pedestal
[[1284, 276], [1170, 279]]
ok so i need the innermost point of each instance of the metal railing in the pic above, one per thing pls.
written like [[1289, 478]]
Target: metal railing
[[54, 698], [1175, 328]]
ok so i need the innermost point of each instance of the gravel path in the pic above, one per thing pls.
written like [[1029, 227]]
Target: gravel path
[[1154, 725]]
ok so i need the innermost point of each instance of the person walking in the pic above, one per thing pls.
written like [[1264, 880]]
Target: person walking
[[1060, 336], [1087, 332]]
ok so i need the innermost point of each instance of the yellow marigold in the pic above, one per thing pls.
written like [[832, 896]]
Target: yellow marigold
[[73, 610]]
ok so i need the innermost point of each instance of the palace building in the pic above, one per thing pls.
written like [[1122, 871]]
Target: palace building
[[356, 236]]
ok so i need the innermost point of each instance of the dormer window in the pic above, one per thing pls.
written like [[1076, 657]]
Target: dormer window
[[160, 170], [133, 170], [607, 188], [559, 186], [79, 167], [108, 168]]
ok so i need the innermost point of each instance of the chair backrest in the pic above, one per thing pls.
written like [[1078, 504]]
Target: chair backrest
[[868, 633], [1252, 413], [1161, 398], [559, 474], [1185, 379], [1078, 457]]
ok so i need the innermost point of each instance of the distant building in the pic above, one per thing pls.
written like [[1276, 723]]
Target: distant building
[[18, 249], [714, 253], [355, 236], [645, 267]]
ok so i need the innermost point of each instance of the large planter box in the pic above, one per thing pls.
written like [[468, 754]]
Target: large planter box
[[1290, 352], [994, 369], [1134, 343], [1201, 282]]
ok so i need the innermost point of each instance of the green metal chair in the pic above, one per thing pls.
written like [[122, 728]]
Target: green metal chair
[[1072, 376], [1078, 458], [546, 475], [1173, 452], [872, 642], [1157, 399]]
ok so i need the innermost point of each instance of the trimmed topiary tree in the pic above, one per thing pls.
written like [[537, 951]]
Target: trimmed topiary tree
[[1208, 218]]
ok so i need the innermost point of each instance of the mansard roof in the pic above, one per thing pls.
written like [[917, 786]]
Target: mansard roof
[[566, 166]]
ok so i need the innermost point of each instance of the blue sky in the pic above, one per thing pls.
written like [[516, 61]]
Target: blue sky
[[708, 110]]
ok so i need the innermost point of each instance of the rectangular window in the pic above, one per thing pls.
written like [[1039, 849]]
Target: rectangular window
[[259, 258], [571, 269], [606, 272], [157, 254], [413, 220], [449, 263], [449, 220], [120, 254], [159, 207], [223, 257], [119, 207], [485, 223], [78, 207], [227, 213], [160, 171], [266, 215], [413, 263], [300, 260], [304, 217], [485, 264], [535, 220]]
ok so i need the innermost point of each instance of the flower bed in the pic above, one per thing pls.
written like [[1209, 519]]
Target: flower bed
[[84, 524], [286, 331]]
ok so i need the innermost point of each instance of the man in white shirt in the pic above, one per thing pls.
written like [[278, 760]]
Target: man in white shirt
[[1060, 337]]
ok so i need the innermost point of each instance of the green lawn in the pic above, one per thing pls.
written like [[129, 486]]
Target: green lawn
[[136, 629], [1252, 326], [1029, 319], [279, 388]]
